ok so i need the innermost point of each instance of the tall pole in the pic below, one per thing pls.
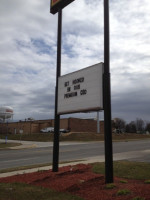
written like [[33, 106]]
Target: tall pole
[[107, 100], [57, 117]]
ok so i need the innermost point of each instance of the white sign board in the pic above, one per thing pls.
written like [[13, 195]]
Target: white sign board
[[81, 91]]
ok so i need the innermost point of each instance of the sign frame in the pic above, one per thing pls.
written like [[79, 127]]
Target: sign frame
[[56, 5]]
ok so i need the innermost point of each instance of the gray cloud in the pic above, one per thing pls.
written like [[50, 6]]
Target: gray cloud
[[28, 53]]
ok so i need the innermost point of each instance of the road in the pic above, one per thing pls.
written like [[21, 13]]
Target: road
[[132, 150]]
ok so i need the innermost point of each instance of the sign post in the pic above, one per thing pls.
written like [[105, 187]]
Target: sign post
[[57, 6], [57, 117], [107, 100]]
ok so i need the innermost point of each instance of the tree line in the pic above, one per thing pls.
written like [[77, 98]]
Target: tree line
[[138, 126]]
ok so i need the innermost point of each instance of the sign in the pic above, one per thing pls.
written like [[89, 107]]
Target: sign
[[81, 91], [58, 4], [20, 131]]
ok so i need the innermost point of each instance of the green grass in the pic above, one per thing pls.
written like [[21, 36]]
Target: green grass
[[8, 144], [110, 186], [147, 182], [123, 192], [77, 136], [123, 181], [138, 198], [41, 137], [126, 169], [17, 191]]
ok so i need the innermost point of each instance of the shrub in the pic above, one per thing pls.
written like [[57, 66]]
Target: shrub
[[147, 182], [123, 181], [138, 198], [123, 192], [110, 186]]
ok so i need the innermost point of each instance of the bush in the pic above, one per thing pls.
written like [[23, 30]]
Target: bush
[[110, 186], [123, 192], [123, 181], [138, 198], [147, 182]]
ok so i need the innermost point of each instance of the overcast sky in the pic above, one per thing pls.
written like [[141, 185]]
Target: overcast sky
[[28, 39]]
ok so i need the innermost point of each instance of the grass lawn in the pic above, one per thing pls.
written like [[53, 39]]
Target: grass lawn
[[126, 169], [45, 137], [17, 191], [123, 169], [8, 144]]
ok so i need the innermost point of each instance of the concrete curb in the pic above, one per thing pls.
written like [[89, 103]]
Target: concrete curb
[[19, 172], [23, 146]]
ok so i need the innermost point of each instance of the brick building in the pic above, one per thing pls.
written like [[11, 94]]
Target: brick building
[[72, 124]]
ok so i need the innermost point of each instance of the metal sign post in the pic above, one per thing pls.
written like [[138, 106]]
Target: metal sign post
[[57, 117], [57, 6], [107, 100]]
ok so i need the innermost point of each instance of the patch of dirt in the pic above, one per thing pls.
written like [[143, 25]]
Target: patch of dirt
[[81, 181]]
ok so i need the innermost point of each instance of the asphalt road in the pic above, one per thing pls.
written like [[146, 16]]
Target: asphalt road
[[133, 150]]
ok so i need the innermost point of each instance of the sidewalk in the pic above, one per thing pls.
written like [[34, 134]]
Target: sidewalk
[[34, 144]]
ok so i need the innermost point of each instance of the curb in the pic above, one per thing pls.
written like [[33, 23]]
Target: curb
[[24, 146], [19, 172]]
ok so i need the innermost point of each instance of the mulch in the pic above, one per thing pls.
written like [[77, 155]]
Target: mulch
[[81, 181]]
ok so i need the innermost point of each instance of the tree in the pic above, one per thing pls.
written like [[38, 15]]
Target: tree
[[140, 125], [131, 127], [119, 124], [127, 128], [147, 128]]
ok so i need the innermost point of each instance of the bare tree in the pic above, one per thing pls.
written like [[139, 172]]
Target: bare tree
[[147, 128], [140, 125], [131, 127], [119, 124], [127, 128]]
